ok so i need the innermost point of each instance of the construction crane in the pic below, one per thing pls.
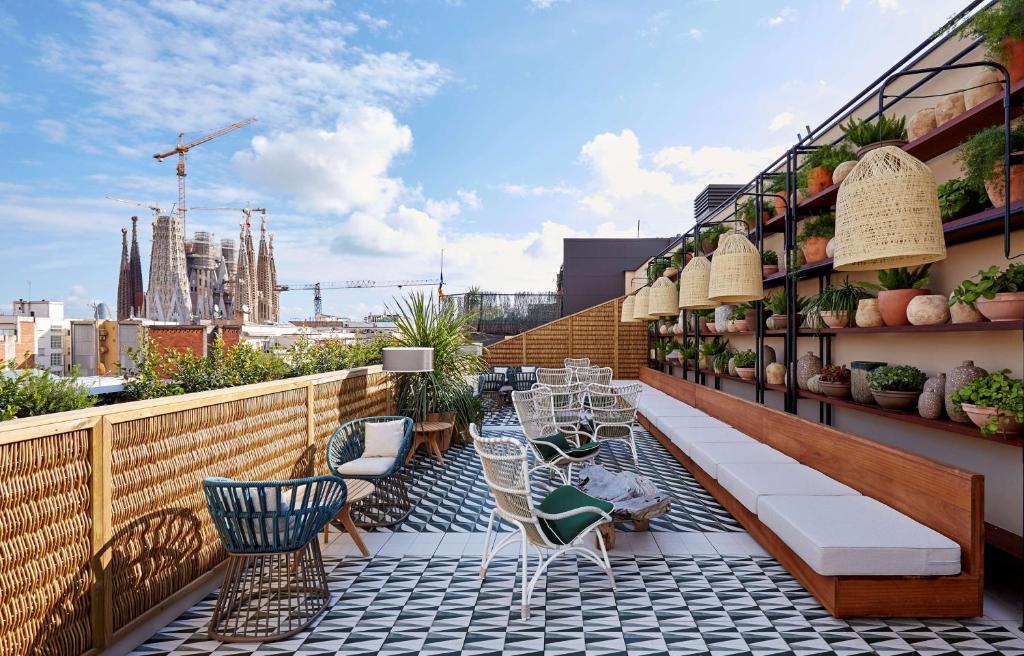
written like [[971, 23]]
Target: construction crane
[[246, 211], [183, 148], [351, 284], [155, 208]]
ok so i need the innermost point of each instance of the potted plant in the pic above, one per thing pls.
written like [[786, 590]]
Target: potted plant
[[896, 288], [836, 305], [896, 387], [834, 381], [958, 197], [814, 237], [820, 164], [776, 305], [712, 347], [738, 319], [997, 294], [776, 201], [746, 362], [867, 135], [769, 263], [982, 161], [709, 237], [995, 403], [1001, 28], [688, 354], [720, 362]]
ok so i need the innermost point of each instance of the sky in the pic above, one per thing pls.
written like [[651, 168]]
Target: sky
[[391, 130]]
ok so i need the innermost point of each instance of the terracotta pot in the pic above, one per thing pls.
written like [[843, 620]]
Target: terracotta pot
[[868, 315], [742, 325], [780, 203], [834, 390], [994, 187], [814, 249], [769, 269], [864, 150], [835, 319], [964, 313], [686, 258], [892, 304], [710, 329], [1007, 423], [1006, 306], [895, 400], [750, 316], [1014, 59], [746, 373], [818, 179]]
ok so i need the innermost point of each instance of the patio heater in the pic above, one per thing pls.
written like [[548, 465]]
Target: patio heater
[[407, 360]]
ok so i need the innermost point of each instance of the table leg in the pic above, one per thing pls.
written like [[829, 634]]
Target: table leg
[[433, 441], [642, 524], [608, 533], [346, 520]]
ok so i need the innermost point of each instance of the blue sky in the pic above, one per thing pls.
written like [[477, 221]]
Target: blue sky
[[390, 130]]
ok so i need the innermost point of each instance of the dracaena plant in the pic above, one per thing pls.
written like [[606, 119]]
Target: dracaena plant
[[840, 298], [711, 348], [721, 360], [776, 303], [996, 390]]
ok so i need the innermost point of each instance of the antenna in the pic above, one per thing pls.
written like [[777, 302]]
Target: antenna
[[638, 228], [440, 285]]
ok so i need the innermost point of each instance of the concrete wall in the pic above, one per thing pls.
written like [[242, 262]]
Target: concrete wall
[[593, 268]]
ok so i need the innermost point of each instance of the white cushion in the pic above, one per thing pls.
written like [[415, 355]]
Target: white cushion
[[500, 370], [708, 455], [527, 370], [373, 466], [751, 482], [858, 536], [383, 438], [692, 436], [664, 423]]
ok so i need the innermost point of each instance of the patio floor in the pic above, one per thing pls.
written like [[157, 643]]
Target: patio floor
[[695, 584]]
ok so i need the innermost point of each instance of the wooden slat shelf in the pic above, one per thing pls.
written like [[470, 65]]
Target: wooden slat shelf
[[977, 326], [774, 388], [911, 417]]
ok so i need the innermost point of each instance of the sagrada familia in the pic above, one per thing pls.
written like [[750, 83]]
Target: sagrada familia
[[199, 280]]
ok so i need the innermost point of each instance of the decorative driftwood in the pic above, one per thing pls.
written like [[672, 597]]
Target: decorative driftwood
[[635, 497]]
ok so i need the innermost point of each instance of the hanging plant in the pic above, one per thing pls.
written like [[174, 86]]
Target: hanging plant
[[1001, 28]]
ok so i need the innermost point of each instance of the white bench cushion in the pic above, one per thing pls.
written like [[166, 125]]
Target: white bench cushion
[[366, 466], [685, 437], [749, 482], [664, 423], [708, 455], [858, 536]]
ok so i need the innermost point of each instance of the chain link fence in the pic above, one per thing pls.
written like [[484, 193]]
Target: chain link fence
[[507, 314]]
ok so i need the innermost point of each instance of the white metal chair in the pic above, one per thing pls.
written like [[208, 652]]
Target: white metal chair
[[557, 524], [599, 375], [567, 406], [576, 362], [555, 448], [548, 376], [613, 412]]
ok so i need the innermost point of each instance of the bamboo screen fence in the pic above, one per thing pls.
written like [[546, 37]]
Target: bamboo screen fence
[[102, 515], [594, 333]]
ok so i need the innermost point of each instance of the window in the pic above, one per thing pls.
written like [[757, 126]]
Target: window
[[56, 341], [56, 359]]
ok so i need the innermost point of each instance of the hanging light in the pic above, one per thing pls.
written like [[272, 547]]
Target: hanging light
[[626, 316], [887, 214], [664, 299], [735, 271], [640, 305], [693, 285]]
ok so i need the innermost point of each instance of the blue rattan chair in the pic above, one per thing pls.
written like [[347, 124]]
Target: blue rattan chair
[[275, 584], [523, 380], [389, 503], [493, 384]]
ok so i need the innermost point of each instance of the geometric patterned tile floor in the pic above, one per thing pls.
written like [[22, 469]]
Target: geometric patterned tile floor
[[695, 584]]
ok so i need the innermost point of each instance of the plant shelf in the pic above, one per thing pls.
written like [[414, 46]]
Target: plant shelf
[[977, 326]]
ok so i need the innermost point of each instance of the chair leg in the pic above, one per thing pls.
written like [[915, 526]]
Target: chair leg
[[525, 560], [487, 546], [607, 561]]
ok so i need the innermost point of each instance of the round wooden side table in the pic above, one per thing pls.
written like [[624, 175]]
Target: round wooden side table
[[429, 433], [357, 491]]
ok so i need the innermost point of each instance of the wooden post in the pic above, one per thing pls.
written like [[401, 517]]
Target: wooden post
[[615, 322], [523, 338], [310, 414], [572, 352], [99, 487]]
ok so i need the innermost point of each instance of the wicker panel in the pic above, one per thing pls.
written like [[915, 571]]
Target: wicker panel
[[593, 335], [548, 345], [507, 351], [45, 545], [338, 402], [162, 535]]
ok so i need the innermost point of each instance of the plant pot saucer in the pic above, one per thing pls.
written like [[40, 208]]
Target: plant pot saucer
[[746, 373], [835, 390], [1007, 424], [895, 400]]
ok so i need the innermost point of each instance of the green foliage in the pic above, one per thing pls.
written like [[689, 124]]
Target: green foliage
[[777, 185], [835, 374], [314, 357], [748, 212], [147, 377], [740, 311], [720, 361], [823, 225], [980, 155], [991, 281], [687, 350], [770, 257], [901, 278], [996, 390], [745, 359], [897, 378], [776, 303], [241, 365], [957, 195], [711, 235], [712, 347], [656, 267], [1002, 21], [677, 258], [838, 298], [829, 156], [887, 128], [34, 392]]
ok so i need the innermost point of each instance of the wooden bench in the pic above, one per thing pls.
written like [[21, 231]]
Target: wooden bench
[[944, 498]]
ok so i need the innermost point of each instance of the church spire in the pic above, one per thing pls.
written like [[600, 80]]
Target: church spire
[[124, 300]]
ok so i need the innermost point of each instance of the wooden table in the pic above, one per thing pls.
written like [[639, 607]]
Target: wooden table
[[634, 498], [429, 433], [357, 491]]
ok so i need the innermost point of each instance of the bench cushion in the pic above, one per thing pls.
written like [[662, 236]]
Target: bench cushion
[[686, 437], [708, 455], [749, 482], [664, 423], [858, 536]]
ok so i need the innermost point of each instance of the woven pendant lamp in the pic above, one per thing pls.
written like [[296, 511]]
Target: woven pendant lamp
[[640, 305], [693, 285], [626, 316], [735, 271], [664, 299], [887, 214]]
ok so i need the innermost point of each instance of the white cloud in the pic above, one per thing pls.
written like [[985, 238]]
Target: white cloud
[[888, 5], [469, 199], [545, 4], [695, 33], [781, 17], [615, 160], [373, 22], [717, 163], [844, 5], [781, 120], [52, 130], [522, 191]]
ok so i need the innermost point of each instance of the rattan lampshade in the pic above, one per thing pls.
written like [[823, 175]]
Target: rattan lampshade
[[664, 299], [627, 309], [693, 285], [735, 271], [887, 214], [640, 305]]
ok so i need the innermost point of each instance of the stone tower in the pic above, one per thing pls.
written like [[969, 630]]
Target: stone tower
[[137, 296], [244, 292], [168, 298], [275, 295], [265, 292], [124, 292], [229, 258], [202, 275]]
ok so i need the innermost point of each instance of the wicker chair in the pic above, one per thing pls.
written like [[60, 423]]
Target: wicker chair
[[275, 584], [389, 503], [576, 362], [546, 376], [554, 448], [558, 524], [613, 412], [599, 375], [567, 406], [493, 383]]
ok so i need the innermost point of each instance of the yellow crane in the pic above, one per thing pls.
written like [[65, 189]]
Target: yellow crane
[[182, 148]]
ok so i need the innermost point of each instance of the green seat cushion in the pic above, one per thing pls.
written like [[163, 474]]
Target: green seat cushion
[[562, 442], [563, 499]]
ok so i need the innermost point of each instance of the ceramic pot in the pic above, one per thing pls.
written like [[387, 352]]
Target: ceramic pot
[[663, 329], [780, 203], [732, 326], [982, 86], [746, 373], [818, 179], [775, 374], [677, 329], [834, 390], [864, 150], [921, 123], [830, 248], [868, 315], [1014, 62], [859, 389], [842, 171], [895, 400], [835, 319], [964, 313], [710, 328], [928, 310], [814, 384], [1006, 424], [767, 355], [750, 316], [808, 365], [722, 313], [957, 378], [699, 322], [994, 187], [813, 249], [776, 322], [949, 107], [670, 271], [892, 304], [1006, 306], [742, 325], [732, 366], [931, 403], [769, 270]]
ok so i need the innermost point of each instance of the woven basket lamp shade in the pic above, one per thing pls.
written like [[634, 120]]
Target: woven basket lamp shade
[[627, 309], [640, 305], [736, 275], [887, 214], [693, 285], [664, 299]]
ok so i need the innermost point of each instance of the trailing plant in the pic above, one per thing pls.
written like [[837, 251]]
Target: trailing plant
[[861, 133], [901, 278], [748, 212], [996, 390], [957, 195], [770, 257], [745, 359], [997, 23], [776, 303], [835, 374], [983, 152], [711, 348], [991, 281], [829, 156], [838, 299], [897, 378], [34, 392], [823, 225]]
